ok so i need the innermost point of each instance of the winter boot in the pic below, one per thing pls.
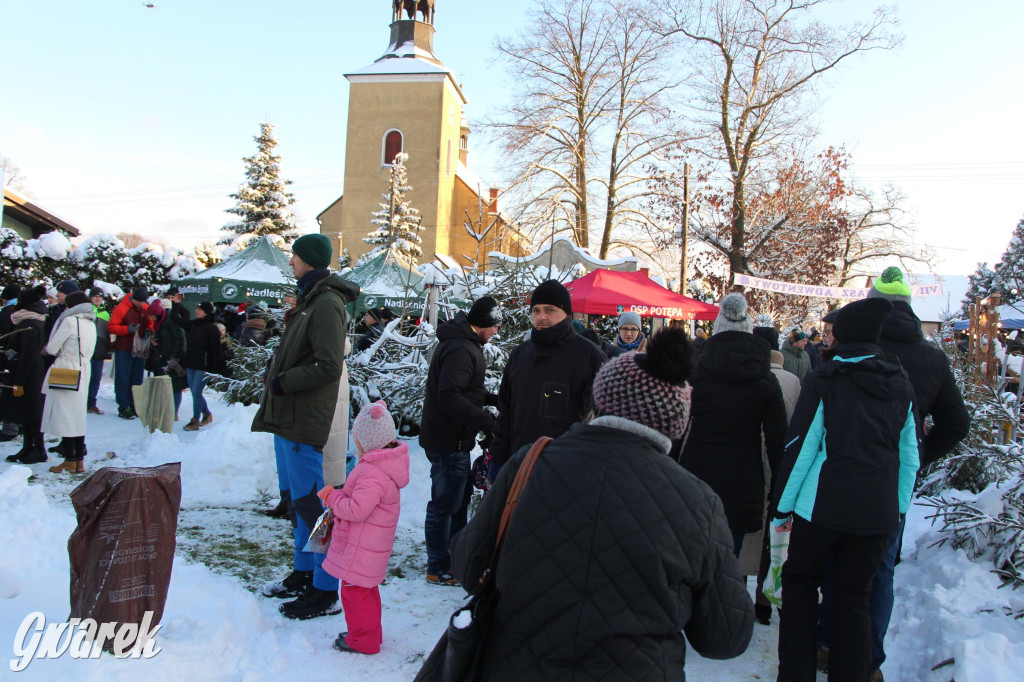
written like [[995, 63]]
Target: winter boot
[[68, 465], [876, 676], [207, 419], [438, 577], [822, 659], [283, 508], [763, 614], [291, 587], [341, 645], [193, 424], [26, 447], [313, 604], [38, 452]]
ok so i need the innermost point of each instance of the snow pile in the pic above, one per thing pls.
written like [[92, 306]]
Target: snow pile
[[54, 245]]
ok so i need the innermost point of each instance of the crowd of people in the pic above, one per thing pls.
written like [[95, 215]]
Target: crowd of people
[[55, 341], [668, 455]]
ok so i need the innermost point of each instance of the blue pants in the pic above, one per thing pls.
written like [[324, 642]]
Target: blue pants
[[303, 467], [197, 382], [95, 375], [450, 490], [881, 599], [127, 373]]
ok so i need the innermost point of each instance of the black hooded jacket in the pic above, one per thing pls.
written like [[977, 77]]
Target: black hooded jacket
[[935, 390], [453, 403], [613, 552], [202, 340], [736, 398], [545, 388]]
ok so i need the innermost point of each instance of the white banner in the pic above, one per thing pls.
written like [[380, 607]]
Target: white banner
[[816, 291]]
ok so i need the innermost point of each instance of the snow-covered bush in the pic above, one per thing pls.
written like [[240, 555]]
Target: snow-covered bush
[[977, 492]]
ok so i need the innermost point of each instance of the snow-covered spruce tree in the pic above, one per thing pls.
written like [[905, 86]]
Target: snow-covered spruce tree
[[397, 223], [977, 492], [248, 364], [1006, 278], [262, 202], [207, 254]]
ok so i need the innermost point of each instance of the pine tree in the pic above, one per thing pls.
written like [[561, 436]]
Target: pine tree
[[397, 222], [1006, 279], [263, 201]]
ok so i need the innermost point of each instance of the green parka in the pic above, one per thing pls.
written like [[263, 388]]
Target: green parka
[[308, 363]]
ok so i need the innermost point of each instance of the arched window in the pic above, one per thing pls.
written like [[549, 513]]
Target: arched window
[[393, 144]]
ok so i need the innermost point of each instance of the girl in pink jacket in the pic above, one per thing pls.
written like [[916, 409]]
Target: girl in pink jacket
[[365, 518]]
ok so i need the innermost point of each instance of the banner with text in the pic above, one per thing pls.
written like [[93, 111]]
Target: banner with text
[[816, 291]]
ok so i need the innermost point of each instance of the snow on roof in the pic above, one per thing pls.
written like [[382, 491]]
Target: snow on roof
[[408, 49], [512, 260], [261, 262], [386, 274], [931, 308], [400, 65], [469, 176]]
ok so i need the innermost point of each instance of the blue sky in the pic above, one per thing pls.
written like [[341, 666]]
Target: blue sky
[[129, 118]]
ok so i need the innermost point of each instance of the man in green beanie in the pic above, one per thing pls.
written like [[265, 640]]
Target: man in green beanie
[[936, 395], [298, 407]]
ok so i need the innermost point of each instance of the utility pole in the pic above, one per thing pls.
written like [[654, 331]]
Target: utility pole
[[686, 227]]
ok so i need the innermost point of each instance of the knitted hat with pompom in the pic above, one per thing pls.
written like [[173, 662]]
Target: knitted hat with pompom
[[732, 314], [649, 388], [374, 427], [891, 286]]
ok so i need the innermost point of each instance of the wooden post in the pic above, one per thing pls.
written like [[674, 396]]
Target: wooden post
[[685, 227]]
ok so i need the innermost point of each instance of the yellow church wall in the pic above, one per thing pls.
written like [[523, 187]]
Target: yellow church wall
[[427, 110]]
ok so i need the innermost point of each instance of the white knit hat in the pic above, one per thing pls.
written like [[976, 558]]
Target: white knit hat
[[374, 427]]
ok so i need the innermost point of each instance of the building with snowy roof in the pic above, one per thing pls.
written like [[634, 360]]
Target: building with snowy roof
[[30, 220], [408, 101]]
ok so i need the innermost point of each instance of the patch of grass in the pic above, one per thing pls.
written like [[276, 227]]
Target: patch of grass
[[241, 543]]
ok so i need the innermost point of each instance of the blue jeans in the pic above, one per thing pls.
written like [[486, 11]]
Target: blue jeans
[[450, 490], [96, 373], [881, 599], [303, 467], [127, 373], [197, 382]]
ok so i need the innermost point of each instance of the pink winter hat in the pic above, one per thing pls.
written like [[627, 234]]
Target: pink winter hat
[[374, 427]]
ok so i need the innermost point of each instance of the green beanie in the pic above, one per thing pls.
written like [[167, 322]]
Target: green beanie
[[314, 249], [891, 286]]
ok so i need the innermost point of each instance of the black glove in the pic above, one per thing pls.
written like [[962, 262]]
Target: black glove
[[486, 441], [133, 327]]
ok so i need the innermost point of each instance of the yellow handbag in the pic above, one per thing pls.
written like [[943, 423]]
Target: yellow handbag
[[64, 379]]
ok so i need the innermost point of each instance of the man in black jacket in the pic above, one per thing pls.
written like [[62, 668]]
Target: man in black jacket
[[453, 414], [935, 394], [545, 387]]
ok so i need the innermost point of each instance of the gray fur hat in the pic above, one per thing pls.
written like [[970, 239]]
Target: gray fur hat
[[732, 314]]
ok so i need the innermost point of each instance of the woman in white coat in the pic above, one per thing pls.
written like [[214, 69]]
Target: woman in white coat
[[71, 343]]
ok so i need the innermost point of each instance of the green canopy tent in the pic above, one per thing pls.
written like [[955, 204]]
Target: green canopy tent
[[387, 280], [259, 274]]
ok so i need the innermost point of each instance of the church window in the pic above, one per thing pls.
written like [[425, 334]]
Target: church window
[[393, 145]]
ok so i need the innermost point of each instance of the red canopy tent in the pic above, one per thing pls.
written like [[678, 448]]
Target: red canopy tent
[[608, 292]]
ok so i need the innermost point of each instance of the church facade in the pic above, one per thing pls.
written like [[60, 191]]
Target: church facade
[[408, 101]]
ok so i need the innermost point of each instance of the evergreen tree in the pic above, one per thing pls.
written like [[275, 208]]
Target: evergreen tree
[[397, 222], [1006, 279], [263, 201]]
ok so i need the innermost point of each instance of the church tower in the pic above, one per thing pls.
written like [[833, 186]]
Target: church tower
[[405, 101]]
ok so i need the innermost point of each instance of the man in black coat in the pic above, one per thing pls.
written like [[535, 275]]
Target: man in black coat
[[545, 387], [8, 299], [935, 394], [453, 414]]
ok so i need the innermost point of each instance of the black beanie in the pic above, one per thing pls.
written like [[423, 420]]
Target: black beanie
[[553, 293], [207, 308], [485, 313], [768, 334], [140, 294], [9, 293], [861, 320]]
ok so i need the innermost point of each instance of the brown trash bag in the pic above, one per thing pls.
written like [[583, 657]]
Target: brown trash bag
[[122, 551]]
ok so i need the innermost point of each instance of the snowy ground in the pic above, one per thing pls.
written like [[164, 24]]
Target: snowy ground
[[215, 626]]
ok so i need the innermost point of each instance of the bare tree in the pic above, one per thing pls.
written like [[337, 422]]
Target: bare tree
[[756, 66], [13, 176], [639, 127], [560, 65], [877, 231]]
